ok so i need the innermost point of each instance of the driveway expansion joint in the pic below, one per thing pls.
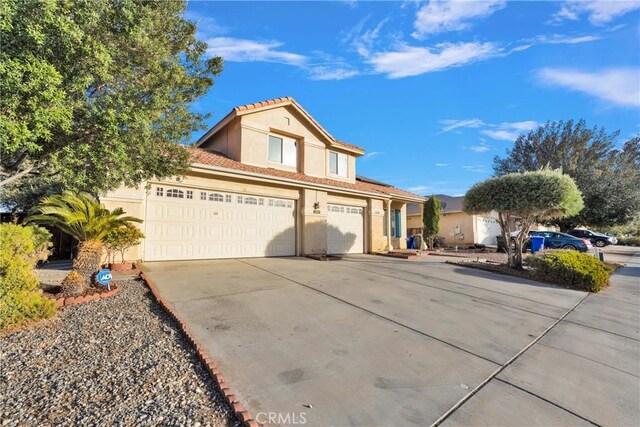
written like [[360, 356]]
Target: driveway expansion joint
[[479, 387], [373, 313], [547, 400]]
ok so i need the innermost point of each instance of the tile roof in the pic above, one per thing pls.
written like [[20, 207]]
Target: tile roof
[[240, 109], [211, 158]]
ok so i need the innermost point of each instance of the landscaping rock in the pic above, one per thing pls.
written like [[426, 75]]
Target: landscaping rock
[[115, 361]]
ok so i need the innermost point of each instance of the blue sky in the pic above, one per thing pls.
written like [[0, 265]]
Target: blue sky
[[432, 90]]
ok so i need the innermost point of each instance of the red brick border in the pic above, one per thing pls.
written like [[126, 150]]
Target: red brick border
[[66, 302], [212, 368]]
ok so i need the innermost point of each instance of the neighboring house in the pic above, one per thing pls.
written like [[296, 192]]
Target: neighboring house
[[460, 229], [456, 227], [267, 180]]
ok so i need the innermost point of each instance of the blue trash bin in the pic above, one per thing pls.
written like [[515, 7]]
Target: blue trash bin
[[537, 243], [411, 242]]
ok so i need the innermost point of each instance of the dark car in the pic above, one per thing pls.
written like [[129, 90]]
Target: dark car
[[598, 239], [555, 240]]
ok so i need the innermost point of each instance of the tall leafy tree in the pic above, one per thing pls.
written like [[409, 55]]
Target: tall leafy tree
[[608, 177], [530, 197], [97, 93], [431, 219]]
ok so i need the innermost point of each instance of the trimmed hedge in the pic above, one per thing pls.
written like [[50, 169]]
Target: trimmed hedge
[[572, 269], [629, 241], [20, 299]]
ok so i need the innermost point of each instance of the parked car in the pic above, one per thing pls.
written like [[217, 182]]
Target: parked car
[[556, 240], [598, 239]]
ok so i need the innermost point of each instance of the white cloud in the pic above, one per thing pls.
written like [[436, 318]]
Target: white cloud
[[598, 12], [509, 131], [411, 61], [328, 72], [441, 16], [441, 165], [418, 188], [450, 124], [475, 169], [620, 86], [243, 50], [565, 39], [371, 154], [481, 148]]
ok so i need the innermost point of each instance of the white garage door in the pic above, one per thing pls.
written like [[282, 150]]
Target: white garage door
[[487, 230], [183, 224], [345, 230]]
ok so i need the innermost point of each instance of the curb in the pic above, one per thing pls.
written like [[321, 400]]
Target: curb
[[211, 367], [66, 302]]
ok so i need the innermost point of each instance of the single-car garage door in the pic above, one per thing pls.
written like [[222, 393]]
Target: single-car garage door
[[345, 230], [190, 223]]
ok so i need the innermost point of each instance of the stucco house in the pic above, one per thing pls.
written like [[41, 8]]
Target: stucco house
[[456, 227], [267, 180]]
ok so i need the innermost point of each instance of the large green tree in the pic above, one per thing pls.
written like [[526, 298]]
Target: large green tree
[[527, 197], [430, 219], [97, 93], [608, 177]]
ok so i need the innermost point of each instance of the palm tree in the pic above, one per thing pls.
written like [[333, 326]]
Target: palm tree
[[85, 218]]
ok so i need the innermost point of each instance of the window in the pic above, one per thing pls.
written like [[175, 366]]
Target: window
[[338, 163], [227, 198], [215, 197], [396, 226], [280, 204], [203, 195], [178, 194], [261, 202], [159, 191], [250, 201], [189, 194], [240, 199], [282, 150]]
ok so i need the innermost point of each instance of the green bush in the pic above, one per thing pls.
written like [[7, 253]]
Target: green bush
[[20, 299], [629, 241], [572, 269]]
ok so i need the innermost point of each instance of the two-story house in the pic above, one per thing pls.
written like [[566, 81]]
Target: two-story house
[[267, 180]]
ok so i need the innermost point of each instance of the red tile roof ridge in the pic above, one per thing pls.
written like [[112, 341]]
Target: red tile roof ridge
[[214, 158]]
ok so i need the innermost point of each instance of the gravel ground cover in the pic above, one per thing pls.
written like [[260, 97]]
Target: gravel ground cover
[[118, 361]]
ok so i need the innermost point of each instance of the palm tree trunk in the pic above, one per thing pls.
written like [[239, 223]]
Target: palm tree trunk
[[87, 263]]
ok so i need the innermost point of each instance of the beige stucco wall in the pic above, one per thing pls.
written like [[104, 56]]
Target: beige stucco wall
[[414, 221], [448, 223], [246, 139], [376, 225], [133, 201], [226, 141]]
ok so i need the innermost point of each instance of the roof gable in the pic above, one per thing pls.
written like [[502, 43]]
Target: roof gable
[[242, 110]]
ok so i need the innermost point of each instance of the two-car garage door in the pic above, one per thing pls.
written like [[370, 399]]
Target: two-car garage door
[[189, 223]]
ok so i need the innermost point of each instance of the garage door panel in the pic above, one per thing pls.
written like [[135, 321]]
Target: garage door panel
[[345, 229], [222, 225]]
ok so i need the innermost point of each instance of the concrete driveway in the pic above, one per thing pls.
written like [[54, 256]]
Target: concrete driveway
[[378, 341]]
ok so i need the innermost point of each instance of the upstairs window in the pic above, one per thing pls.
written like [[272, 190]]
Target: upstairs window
[[338, 163], [282, 150]]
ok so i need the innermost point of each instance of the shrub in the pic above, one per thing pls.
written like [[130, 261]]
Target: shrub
[[572, 269], [629, 241], [20, 299], [122, 238]]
